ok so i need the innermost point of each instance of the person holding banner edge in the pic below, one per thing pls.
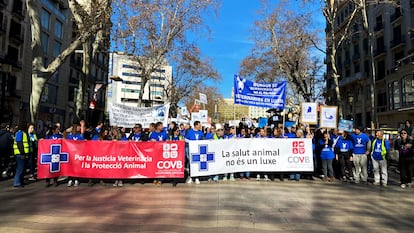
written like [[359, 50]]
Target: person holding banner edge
[[193, 134]]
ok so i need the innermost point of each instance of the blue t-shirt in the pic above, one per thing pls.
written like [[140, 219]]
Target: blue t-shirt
[[229, 136], [54, 136], [326, 150], [194, 135], [158, 136], [77, 136], [377, 148], [360, 143], [136, 137], [344, 145], [209, 136]]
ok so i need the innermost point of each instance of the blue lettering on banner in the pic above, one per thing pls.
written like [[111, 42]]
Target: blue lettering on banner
[[202, 157], [54, 158], [268, 95]]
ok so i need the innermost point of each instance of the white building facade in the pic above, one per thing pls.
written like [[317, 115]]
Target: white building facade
[[125, 82]]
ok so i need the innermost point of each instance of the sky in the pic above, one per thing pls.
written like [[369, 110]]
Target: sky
[[230, 40]]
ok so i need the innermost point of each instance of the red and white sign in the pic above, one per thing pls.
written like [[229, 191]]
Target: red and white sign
[[110, 159]]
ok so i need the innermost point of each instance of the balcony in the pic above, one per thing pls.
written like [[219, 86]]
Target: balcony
[[16, 39], [397, 42], [379, 51], [3, 4], [378, 27], [13, 60], [394, 17], [356, 57], [17, 10], [349, 80]]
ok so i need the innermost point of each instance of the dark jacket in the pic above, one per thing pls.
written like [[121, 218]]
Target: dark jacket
[[6, 141]]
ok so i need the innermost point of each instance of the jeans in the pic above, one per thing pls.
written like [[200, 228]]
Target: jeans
[[406, 169], [327, 167], [380, 165], [20, 166], [32, 163], [360, 167], [247, 175], [295, 176]]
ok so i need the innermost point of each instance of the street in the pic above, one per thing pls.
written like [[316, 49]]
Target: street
[[241, 206]]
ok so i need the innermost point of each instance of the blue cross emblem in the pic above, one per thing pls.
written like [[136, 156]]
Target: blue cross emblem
[[202, 157], [54, 158]]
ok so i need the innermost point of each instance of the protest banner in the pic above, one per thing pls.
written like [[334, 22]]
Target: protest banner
[[255, 155], [127, 116], [309, 113], [268, 95], [110, 159], [328, 117]]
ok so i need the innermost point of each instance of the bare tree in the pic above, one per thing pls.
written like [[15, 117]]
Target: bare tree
[[283, 48], [190, 75], [41, 72], [335, 38], [152, 30]]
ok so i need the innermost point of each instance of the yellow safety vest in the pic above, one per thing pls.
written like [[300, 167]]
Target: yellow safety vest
[[25, 145]]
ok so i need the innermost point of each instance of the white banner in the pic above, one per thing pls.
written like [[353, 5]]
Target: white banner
[[127, 116], [211, 157]]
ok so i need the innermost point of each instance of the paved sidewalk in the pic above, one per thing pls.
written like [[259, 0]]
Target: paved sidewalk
[[241, 206]]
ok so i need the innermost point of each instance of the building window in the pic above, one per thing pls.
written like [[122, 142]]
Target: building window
[[45, 42], [57, 48], [394, 95], [45, 19], [58, 29], [381, 70], [407, 91]]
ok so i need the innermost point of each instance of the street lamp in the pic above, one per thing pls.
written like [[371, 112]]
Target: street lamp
[[5, 70]]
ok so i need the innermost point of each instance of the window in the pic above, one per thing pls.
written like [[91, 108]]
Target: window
[[57, 48], [73, 92], [394, 95], [381, 70], [45, 42], [407, 91], [131, 74], [58, 29], [45, 19]]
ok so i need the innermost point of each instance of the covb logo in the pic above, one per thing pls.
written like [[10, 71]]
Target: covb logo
[[298, 148], [170, 151]]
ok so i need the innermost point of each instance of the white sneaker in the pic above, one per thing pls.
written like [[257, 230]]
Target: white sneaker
[[70, 182], [410, 185], [232, 177], [115, 184], [258, 177], [266, 178], [120, 184], [189, 180], [76, 183], [197, 181], [403, 186], [376, 183], [225, 178]]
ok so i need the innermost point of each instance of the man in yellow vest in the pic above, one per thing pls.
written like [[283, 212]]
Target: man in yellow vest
[[379, 153], [21, 150]]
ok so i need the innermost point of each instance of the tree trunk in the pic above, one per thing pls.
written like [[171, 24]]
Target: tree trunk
[[38, 84], [374, 118], [83, 83]]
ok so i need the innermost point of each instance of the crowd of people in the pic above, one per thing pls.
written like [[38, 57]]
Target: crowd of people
[[348, 156]]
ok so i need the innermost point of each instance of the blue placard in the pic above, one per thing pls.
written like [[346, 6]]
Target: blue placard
[[268, 95]]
